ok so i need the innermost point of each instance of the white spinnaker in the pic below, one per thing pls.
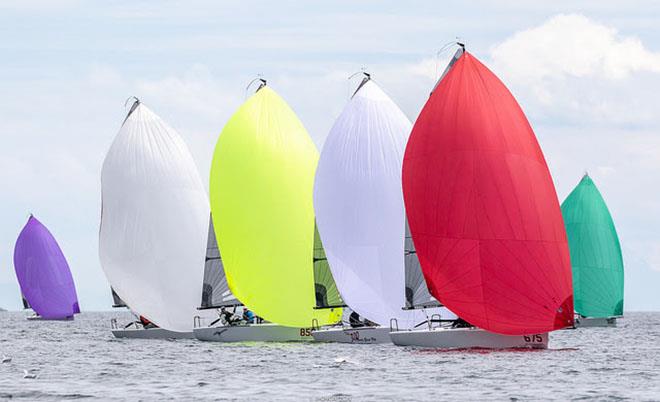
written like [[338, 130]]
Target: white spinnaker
[[153, 221], [358, 201]]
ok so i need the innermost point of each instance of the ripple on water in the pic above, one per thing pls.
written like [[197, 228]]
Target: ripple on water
[[81, 359]]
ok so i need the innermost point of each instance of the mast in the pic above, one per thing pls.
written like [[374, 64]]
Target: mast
[[416, 289], [262, 83], [457, 55], [134, 106], [365, 79]]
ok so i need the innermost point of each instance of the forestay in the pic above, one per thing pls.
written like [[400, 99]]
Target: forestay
[[215, 289], [261, 199], [482, 208], [595, 252], [153, 221], [359, 206], [43, 273]]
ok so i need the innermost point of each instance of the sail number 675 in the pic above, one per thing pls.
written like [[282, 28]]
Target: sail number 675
[[533, 338]]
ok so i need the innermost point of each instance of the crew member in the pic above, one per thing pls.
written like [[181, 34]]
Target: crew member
[[354, 320], [146, 324], [228, 316], [248, 316], [461, 323]]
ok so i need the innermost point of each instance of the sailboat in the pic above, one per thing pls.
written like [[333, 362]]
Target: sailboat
[[595, 256], [261, 202], [230, 326], [360, 214], [484, 217], [140, 327], [153, 225], [43, 274]]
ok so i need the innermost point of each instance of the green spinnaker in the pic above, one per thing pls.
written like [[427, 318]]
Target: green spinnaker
[[261, 184], [595, 252]]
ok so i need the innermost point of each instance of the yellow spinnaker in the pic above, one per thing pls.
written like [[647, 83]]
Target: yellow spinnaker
[[261, 186]]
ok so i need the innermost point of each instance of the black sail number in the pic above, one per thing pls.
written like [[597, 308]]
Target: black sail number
[[536, 338]]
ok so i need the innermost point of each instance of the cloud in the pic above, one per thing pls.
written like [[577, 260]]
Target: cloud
[[103, 76], [646, 251], [196, 91], [570, 69], [39, 5], [573, 45], [655, 256], [432, 68], [641, 282]]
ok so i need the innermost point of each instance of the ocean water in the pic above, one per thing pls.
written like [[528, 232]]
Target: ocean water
[[81, 359]]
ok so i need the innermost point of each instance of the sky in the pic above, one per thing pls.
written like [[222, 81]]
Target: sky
[[587, 76]]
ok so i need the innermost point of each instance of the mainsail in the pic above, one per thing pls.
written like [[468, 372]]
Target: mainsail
[[215, 289], [26, 304], [595, 252], [261, 200], [359, 206], [43, 273], [153, 221], [417, 293], [483, 210], [117, 302], [325, 288]]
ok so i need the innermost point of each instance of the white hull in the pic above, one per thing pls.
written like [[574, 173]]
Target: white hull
[[151, 333], [253, 333], [40, 318], [587, 322], [363, 335], [463, 338]]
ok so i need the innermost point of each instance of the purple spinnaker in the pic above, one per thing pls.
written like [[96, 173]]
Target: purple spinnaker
[[43, 273]]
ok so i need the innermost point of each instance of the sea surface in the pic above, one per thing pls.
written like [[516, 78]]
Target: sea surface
[[81, 359]]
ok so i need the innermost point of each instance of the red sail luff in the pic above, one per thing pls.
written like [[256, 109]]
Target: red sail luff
[[483, 210]]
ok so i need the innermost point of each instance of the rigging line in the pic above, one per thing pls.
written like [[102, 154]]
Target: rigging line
[[261, 84], [129, 98], [363, 70], [133, 107], [442, 50]]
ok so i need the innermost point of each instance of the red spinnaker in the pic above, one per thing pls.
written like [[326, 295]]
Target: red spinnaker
[[483, 210]]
